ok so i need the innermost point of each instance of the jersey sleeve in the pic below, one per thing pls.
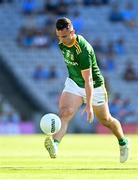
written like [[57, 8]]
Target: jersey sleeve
[[86, 57]]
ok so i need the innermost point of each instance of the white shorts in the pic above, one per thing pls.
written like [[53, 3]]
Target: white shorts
[[99, 94]]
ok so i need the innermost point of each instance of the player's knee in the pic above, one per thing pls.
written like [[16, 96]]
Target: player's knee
[[106, 121], [66, 113]]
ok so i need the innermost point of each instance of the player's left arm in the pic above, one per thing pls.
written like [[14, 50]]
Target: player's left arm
[[85, 59], [87, 76]]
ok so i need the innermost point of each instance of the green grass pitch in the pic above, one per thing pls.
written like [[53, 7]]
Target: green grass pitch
[[81, 157]]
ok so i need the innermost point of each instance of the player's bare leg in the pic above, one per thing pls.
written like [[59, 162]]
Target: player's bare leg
[[104, 116], [68, 106]]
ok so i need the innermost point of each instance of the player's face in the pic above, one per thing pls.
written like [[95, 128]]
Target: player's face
[[65, 36]]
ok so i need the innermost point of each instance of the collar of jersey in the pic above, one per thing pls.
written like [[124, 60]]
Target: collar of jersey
[[71, 44]]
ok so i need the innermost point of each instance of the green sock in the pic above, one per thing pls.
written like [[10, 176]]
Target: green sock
[[56, 141], [123, 141]]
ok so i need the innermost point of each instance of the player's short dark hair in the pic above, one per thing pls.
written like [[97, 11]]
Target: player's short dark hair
[[63, 23]]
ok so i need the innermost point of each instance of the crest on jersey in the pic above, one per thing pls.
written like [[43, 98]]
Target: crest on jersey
[[68, 55]]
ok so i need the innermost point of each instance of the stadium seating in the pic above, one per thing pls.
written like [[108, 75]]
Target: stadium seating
[[23, 61]]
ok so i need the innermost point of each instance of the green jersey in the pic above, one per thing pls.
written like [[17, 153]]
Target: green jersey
[[78, 57]]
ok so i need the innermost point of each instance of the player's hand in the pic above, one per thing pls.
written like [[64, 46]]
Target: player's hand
[[90, 114]]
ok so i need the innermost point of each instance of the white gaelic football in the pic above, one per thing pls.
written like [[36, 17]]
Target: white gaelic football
[[50, 124]]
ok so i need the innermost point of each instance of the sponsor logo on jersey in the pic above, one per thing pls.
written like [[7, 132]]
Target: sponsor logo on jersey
[[70, 62], [69, 58]]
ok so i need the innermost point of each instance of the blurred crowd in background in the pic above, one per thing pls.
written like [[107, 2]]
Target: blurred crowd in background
[[38, 32]]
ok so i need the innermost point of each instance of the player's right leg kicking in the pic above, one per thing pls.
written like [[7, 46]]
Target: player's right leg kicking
[[68, 105]]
